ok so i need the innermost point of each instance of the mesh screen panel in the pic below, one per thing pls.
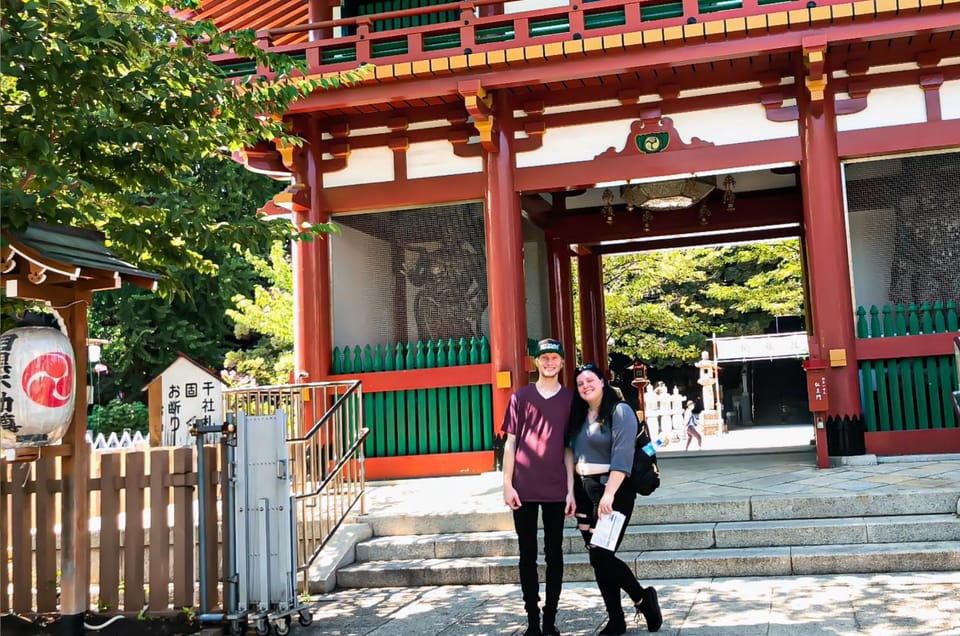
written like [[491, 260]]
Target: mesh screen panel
[[904, 219], [436, 261]]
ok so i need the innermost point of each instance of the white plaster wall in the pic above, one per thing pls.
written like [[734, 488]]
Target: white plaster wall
[[732, 125], [361, 284], [720, 126], [577, 143], [950, 99], [887, 107], [871, 254], [436, 158], [367, 165], [531, 5]]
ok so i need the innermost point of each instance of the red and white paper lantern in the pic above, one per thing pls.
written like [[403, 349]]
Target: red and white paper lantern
[[38, 377]]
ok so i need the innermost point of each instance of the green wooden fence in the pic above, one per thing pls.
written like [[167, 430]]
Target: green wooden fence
[[902, 394], [424, 420]]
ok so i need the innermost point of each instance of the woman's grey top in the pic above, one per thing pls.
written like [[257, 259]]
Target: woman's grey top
[[606, 444]]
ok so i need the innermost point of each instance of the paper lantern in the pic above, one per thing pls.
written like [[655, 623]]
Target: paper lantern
[[38, 377]]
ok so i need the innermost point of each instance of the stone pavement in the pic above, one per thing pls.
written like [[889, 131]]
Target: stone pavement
[[875, 604]]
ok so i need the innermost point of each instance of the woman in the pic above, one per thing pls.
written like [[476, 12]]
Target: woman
[[603, 431], [691, 424]]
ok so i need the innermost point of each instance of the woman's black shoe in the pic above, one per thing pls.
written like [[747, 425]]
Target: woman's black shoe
[[614, 627], [650, 608]]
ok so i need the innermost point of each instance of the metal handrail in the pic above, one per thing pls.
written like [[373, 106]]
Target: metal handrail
[[327, 415], [339, 465]]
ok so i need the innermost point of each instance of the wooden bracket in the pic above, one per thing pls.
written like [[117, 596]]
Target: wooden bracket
[[479, 106], [339, 147], [775, 110], [294, 198], [772, 102], [398, 142], [814, 59], [857, 90]]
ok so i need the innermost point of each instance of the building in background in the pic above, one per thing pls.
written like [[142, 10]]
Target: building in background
[[494, 144]]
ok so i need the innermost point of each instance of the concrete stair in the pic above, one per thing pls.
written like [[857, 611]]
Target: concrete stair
[[764, 535]]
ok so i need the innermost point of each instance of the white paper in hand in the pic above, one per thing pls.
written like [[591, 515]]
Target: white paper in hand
[[607, 532]]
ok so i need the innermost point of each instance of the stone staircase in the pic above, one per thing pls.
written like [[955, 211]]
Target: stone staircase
[[760, 535]]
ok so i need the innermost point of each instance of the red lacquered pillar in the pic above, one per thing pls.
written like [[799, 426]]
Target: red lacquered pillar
[[504, 240], [561, 303], [832, 335], [313, 322], [593, 330]]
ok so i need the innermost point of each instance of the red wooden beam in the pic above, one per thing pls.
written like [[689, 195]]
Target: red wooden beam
[[705, 159], [926, 441], [891, 139], [751, 211], [469, 375], [697, 241], [393, 195], [438, 464], [934, 344]]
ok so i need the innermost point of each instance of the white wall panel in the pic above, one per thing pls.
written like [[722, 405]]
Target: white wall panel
[[360, 283], [871, 254], [532, 5], [732, 125], [950, 99], [367, 165], [887, 107], [577, 143], [436, 158]]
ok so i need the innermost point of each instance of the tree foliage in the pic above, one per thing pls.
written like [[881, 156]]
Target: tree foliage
[[268, 315], [117, 416], [664, 306], [115, 119], [146, 330], [109, 107]]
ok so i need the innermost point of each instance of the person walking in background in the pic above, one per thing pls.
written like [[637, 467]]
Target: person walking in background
[[602, 435], [690, 418], [538, 477]]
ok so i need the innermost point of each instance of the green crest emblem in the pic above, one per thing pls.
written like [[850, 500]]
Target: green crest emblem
[[652, 143]]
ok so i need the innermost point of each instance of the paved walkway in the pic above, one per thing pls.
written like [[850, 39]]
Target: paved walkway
[[874, 604], [879, 604]]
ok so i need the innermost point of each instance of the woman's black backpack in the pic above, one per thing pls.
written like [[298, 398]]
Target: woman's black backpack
[[645, 474]]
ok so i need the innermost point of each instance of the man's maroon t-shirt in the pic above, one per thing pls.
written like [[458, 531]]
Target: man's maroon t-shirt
[[540, 426]]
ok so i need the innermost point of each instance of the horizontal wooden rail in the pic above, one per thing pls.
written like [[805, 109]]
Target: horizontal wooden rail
[[935, 344], [380, 381]]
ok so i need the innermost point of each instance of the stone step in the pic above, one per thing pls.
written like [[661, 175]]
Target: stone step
[[734, 534], [668, 564], [680, 511]]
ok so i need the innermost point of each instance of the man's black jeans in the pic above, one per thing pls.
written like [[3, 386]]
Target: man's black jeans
[[525, 521]]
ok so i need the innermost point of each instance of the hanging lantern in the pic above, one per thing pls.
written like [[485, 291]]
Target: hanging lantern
[[37, 375]]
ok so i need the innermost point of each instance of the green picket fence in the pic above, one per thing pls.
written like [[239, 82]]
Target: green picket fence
[[903, 394], [424, 420], [906, 321]]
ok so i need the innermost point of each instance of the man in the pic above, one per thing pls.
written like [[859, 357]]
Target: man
[[538, 476]]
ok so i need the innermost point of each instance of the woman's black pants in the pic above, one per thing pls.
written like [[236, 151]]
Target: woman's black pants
[[611, 573]]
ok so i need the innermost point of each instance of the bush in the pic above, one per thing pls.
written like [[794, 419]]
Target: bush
[[118, 415]]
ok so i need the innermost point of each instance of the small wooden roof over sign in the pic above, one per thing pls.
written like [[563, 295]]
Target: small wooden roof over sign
[[69, 258]]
